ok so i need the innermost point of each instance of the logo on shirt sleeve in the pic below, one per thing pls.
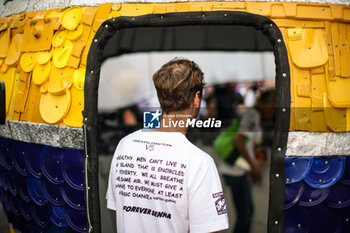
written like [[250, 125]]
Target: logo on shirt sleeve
[[220, 203]]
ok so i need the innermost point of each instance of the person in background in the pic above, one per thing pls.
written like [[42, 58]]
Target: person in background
[[238, 177], [113, 126], [221, 102], [253, 93], [226, 100]]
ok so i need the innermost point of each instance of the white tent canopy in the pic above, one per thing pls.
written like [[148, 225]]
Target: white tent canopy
[[127, 79]]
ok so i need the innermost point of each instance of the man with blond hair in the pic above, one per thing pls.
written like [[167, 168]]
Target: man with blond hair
[[159, 181]]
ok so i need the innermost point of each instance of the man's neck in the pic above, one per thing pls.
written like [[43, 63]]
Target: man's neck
[[171, 122]]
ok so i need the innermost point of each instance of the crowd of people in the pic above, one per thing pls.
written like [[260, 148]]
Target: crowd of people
[[222, 101]]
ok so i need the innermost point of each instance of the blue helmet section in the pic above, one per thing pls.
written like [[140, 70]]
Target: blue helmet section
[[312, 196], [57, 216], [317, 195], [74, 198], [6, 153], [25, 209], [346, 177], [50, 163], [32, 154], [35, 189], [298, 220], [18, 159], [73, 168], [339, 196], [53, 192], [297, 169], [325, 172], [292, 194], [42, 187]]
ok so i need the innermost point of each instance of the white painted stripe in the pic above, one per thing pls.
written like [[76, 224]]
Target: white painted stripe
[[302, 143], [53, 135]]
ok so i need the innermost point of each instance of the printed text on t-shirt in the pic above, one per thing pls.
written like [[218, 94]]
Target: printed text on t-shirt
[[150, 178]]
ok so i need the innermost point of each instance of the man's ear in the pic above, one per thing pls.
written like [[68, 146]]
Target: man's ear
[[197, 99]]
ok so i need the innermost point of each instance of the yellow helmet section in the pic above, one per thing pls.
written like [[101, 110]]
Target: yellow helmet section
[[74, 117], [41, 73], [4, 67], [54, 108], [38, 32], [60, 80], [4, 42], [28, 61], [15, 49], [79, 78], [58, 38], [71, 18], [62, 54], [75, 34], [315, 54], [43, 57], [8, 77]]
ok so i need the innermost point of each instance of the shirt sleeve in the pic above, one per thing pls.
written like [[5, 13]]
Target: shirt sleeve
[[110, 196], [207, 207]]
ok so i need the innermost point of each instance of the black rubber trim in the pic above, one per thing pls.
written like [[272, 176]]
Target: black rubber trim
[[2, 103], [267, 26]]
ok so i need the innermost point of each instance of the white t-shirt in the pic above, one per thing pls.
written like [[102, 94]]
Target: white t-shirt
[[161, 182], [250, 127]]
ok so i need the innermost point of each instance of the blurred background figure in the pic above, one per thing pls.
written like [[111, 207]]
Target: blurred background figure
[[253, 92], [222, 101], [245, 168], [114, 125]]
